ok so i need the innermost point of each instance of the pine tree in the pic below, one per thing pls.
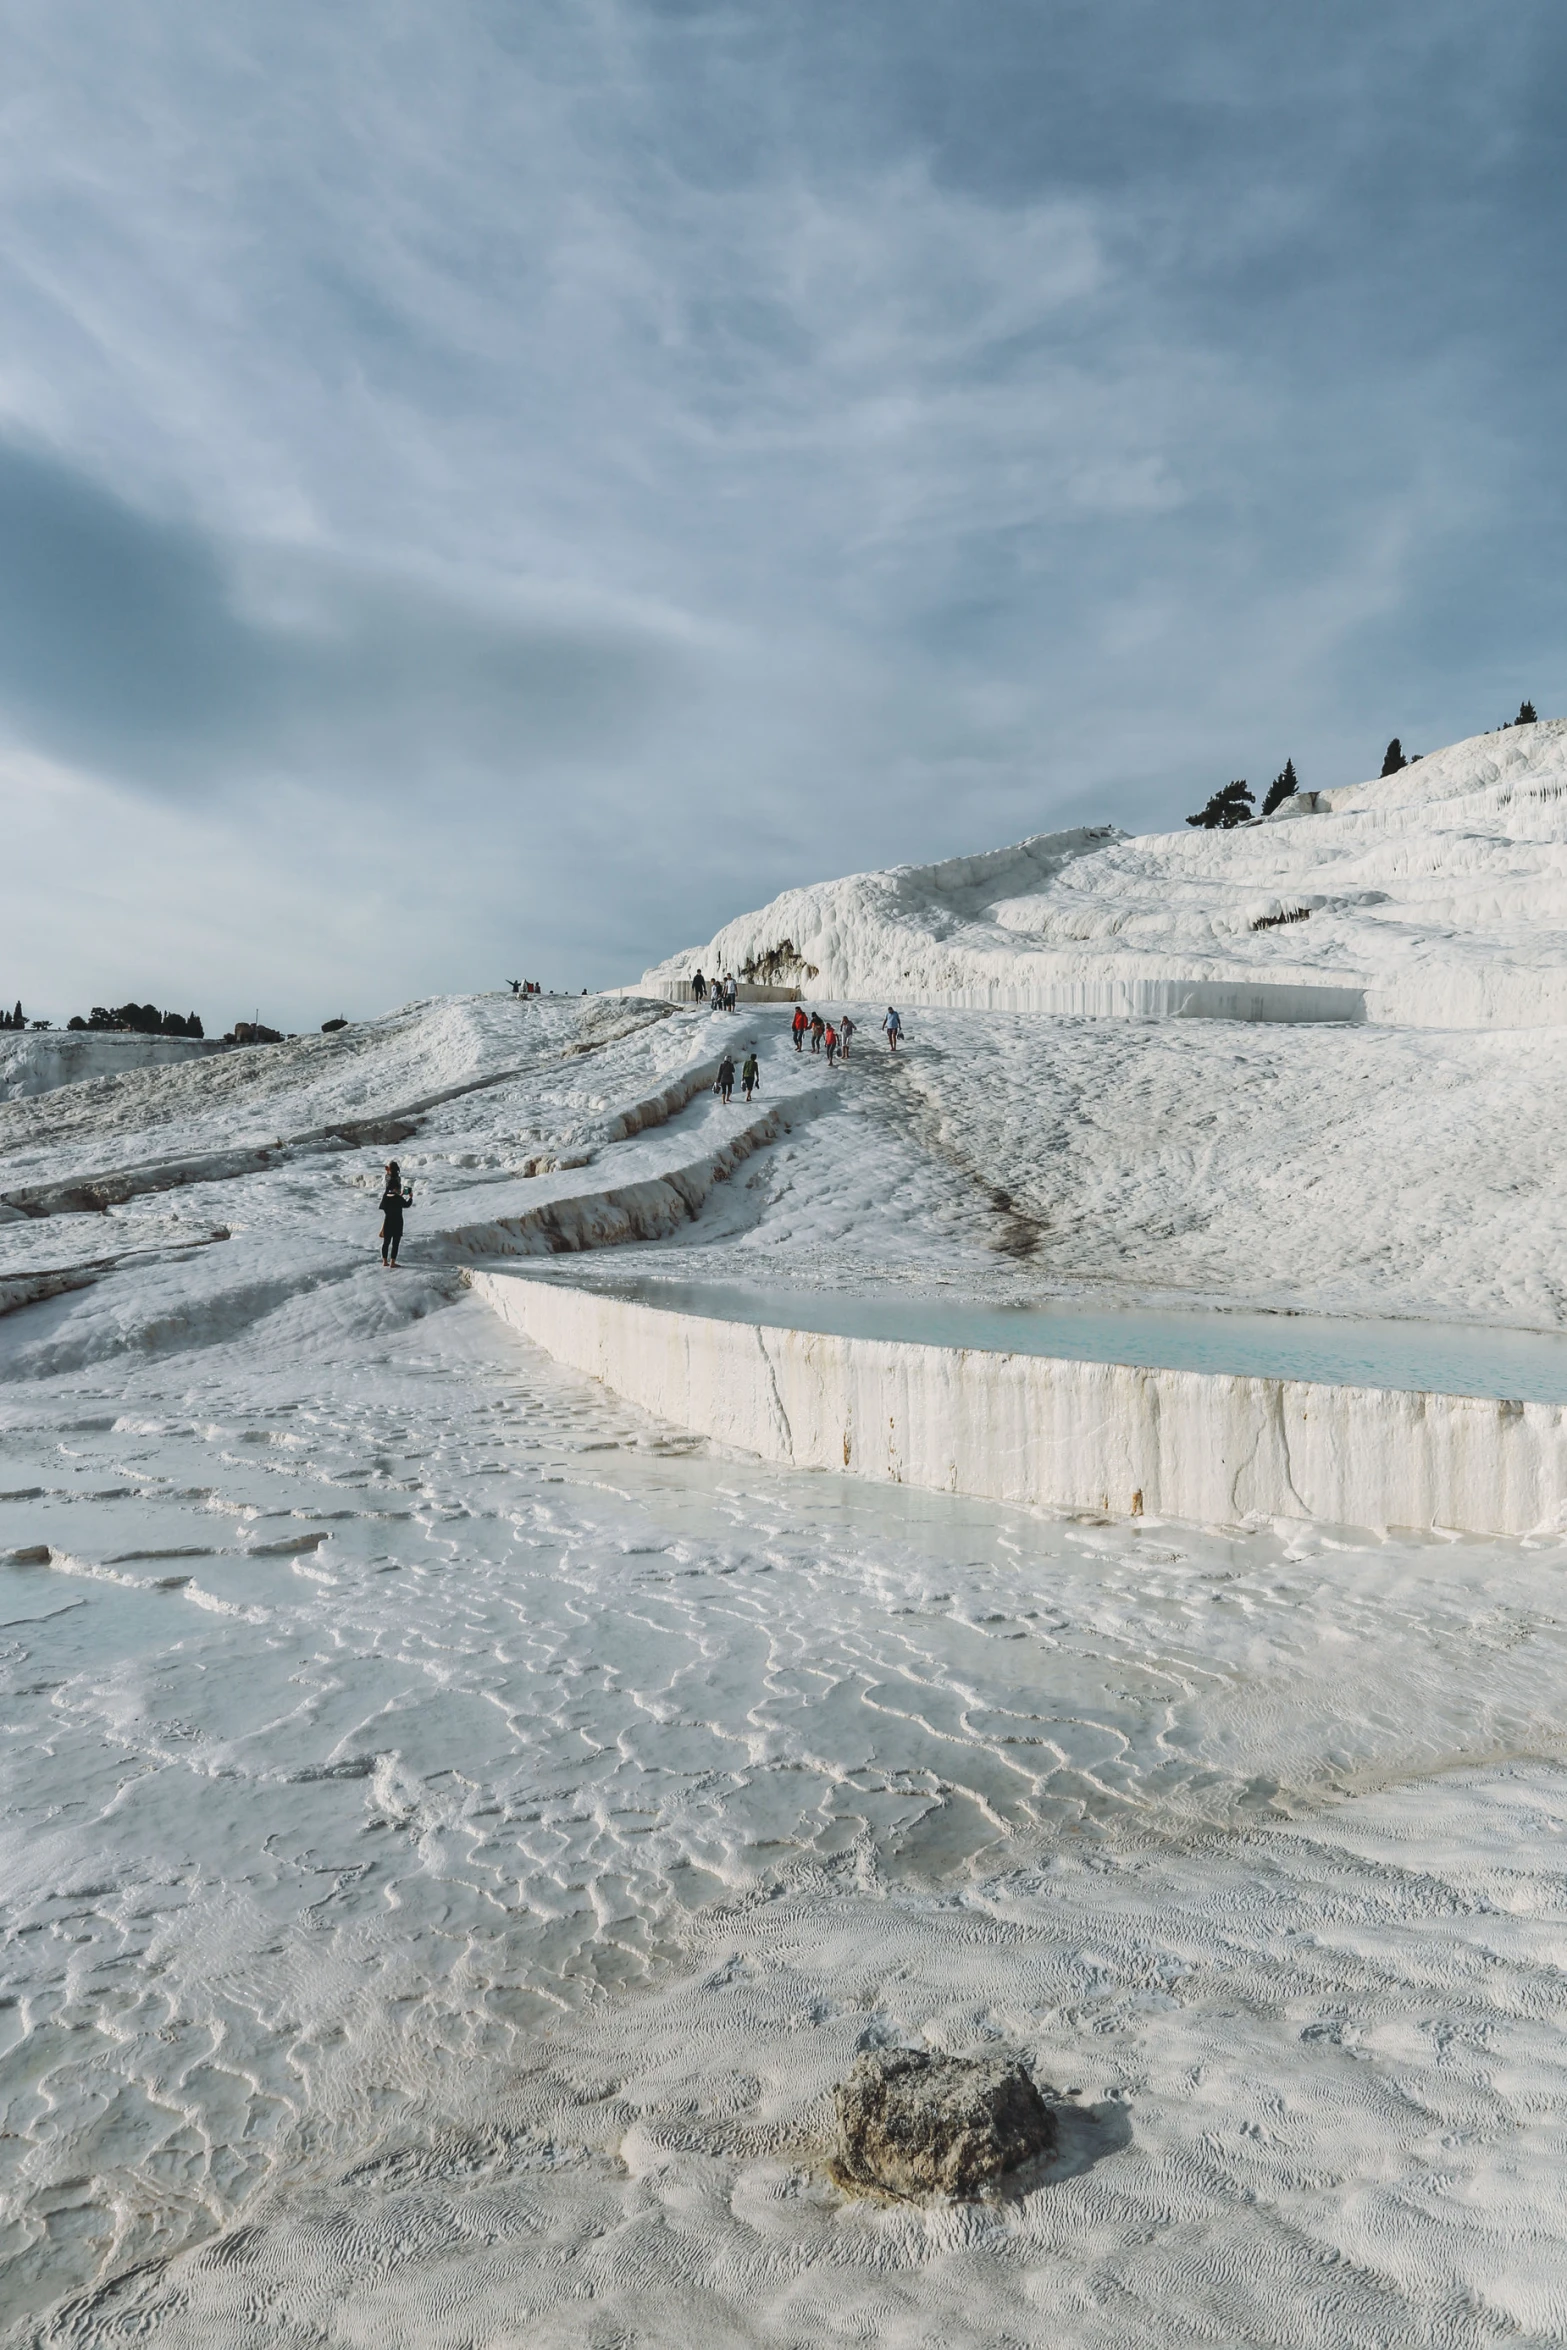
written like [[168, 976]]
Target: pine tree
[[1283, 787], [1227, 808], [1526, 715], [1393, 759]]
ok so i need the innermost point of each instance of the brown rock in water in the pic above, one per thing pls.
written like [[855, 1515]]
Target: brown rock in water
[[914, 2124]]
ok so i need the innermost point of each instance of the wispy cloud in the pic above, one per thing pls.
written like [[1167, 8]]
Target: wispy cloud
[[656, 451], [147, 651]]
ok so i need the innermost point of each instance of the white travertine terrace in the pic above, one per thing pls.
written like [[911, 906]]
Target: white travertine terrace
[[1056, 1433], [1434, 898], [457, 1830]]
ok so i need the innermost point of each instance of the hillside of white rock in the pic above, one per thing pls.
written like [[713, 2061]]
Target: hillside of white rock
[[1434, 898], [39, 1061], [457, 1826]]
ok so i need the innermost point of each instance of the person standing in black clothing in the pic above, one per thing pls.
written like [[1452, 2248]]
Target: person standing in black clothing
[[726, 1077], [393, 1201]]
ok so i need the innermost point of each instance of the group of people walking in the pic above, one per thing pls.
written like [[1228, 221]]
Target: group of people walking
[[835, 1037], [750, 1075], [722, 994], [831, 1037]]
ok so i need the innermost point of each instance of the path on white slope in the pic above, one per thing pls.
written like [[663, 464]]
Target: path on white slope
[[455, 1829], [1366, 1170], [1439, 894], [1342, 1170], [232, 1185]]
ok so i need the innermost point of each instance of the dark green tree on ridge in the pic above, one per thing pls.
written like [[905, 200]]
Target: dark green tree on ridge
[[1227, 808], [1283, 787]]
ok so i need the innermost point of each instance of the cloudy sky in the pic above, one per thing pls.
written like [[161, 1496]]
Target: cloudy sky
[[491, 488]]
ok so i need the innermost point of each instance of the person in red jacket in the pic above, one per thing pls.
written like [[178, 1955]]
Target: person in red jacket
[[798, 1025]]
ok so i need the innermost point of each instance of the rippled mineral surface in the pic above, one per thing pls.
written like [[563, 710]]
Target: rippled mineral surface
[[456, 1833]]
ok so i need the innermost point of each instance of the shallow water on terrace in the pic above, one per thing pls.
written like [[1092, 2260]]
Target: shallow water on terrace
[[1527, 1366], [459, 1830]]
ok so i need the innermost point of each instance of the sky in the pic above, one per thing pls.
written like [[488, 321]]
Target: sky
[[494, 488]]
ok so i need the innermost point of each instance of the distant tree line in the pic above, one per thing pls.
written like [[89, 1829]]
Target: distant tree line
[[147, 1020], [139, 1020]]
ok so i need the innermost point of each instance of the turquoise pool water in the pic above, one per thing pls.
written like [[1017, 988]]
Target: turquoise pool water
[[1529, 1366]]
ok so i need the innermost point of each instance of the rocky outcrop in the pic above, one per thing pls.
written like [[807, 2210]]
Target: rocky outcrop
[[914, 2124]]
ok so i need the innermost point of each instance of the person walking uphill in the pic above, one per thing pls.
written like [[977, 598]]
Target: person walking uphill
[[798, 1024], [894, 1028], [726, 1077], [750, 1072], [393, 1201], [818, 1031]]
